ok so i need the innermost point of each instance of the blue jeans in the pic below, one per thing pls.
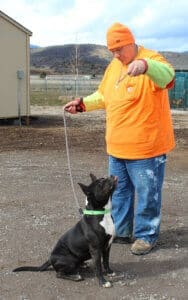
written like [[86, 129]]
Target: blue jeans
[[141, 180]]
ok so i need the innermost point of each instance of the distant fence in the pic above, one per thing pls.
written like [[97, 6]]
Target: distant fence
[[65, 85], [179, 94], [70, 86]]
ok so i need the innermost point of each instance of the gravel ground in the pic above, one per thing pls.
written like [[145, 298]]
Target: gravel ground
[[37, 206]]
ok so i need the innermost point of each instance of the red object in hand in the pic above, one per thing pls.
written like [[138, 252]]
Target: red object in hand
[[75, 106]]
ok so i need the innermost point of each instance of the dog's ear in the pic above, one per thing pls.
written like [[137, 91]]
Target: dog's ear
[[93, 177], [84, 188]]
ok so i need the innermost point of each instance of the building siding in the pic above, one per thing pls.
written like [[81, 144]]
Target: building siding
[[14, 56]]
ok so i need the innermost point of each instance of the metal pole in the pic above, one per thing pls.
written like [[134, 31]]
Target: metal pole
[[20, 76]]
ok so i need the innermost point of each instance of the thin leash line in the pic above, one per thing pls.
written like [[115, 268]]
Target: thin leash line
[[69, 163]]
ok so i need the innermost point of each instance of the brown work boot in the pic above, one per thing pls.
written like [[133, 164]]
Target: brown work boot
[[141, 247]]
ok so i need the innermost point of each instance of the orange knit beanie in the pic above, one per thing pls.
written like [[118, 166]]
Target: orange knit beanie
[[118, 36]]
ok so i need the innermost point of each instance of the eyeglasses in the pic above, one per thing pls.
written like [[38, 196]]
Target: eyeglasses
[[117, 50]]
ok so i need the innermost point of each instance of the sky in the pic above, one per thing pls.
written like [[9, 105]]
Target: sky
[[160, 25]]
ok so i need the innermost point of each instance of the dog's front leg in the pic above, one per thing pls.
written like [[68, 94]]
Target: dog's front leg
[[97, 256], [106, 255]]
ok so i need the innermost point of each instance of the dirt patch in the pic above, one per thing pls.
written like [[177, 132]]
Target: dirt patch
[[37, 206]]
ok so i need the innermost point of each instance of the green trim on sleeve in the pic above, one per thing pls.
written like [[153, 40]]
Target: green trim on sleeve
[[160, 73], [94, 101]]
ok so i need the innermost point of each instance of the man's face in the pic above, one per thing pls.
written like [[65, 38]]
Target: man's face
[[125, 54]]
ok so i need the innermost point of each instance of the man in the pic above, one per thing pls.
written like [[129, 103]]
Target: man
[[139, 133]]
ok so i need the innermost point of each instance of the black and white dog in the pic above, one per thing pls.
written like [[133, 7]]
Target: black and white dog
[[91, 237]]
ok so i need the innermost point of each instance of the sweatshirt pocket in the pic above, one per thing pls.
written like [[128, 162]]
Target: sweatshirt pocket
[[131, 89]]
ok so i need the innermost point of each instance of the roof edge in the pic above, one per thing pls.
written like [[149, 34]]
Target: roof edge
[[15, 23]]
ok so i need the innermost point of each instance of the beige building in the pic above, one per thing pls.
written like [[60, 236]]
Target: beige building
[[14, 68]]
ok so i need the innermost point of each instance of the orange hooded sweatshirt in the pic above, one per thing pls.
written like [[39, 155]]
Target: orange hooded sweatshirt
[[138, 119]]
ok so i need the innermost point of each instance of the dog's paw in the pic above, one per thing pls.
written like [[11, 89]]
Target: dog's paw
[[84, 265], [76, 277], [73, 277], [107, 284], [111, 274], [104, 283]]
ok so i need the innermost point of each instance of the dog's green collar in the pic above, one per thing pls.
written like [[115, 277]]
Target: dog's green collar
[[96, 212]]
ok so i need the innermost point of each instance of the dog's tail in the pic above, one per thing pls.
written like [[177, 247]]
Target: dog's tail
[[41, 268]]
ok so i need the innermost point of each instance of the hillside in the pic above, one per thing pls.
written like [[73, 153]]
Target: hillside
[[90, 59], [86, 58]]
